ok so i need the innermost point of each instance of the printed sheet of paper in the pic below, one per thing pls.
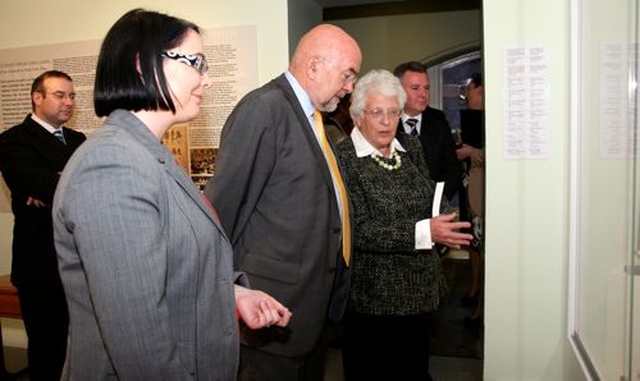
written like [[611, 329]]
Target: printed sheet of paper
[[617, 108], [437, 199], [527, 102]]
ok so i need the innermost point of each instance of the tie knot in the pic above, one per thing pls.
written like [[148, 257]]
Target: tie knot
[[58, 134], [412, 122]]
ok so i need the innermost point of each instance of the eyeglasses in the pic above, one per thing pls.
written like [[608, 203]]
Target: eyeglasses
[[61, 95], [196, 61], [348, 76], [378, 113]]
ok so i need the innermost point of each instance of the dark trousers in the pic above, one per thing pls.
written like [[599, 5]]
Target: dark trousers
[[46, 320], [257, 365], [377, 347]]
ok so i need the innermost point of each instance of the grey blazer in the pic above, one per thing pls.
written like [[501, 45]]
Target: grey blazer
[[146, 268], [273, 190]]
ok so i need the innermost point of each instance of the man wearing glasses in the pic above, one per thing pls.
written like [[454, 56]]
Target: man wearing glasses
[[280, 198], [32, 155]]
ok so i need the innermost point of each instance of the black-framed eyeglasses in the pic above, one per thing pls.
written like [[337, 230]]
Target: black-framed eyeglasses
[[196, 61]]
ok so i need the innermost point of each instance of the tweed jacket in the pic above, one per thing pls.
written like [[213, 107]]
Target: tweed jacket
[[389, 276]]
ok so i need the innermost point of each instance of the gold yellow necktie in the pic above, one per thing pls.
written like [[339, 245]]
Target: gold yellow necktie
[[335, 172]]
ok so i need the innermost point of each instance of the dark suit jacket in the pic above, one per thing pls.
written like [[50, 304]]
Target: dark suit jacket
[[31, 160], [439, 150], [273, 191]]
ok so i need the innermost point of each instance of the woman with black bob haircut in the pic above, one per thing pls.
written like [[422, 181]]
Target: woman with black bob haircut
[[129, 74], [145, 264]]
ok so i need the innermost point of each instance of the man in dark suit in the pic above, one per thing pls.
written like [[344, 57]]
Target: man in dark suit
[[281, 206], [32, 155], [430, 125]]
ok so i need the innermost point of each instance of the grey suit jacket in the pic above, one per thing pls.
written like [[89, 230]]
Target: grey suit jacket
[[146, 268], [273, 191]]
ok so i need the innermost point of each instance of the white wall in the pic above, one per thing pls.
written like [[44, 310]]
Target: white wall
[[527, 207], [37, 22]]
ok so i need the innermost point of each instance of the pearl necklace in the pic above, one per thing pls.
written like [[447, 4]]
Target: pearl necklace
[[390, 167]]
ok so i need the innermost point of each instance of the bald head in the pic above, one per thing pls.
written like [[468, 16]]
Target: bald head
[[325, 63], [325, 40]]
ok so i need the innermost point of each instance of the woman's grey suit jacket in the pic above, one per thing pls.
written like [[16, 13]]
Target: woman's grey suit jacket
[[146, 267]]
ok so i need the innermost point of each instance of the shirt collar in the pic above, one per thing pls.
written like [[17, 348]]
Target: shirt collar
[[417, 117], [303, 97], [44, 124], [364, 148]]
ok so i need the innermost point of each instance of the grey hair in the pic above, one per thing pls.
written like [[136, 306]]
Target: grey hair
[[376, 81]]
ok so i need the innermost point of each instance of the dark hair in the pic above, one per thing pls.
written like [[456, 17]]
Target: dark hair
[[409, 66], [476, 79], [38, 84], [139, 37]]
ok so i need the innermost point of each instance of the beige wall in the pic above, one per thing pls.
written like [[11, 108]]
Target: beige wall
[[388, 41], [37, 22]]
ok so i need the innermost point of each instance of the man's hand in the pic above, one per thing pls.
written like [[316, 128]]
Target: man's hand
[[259, 310], [31, 201], [464, 152]]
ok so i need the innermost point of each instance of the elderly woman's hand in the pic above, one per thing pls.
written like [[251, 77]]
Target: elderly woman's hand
[[445, 231], [258, 310]]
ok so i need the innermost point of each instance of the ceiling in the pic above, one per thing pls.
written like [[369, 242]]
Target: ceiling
[[345, 3], [344, 9]]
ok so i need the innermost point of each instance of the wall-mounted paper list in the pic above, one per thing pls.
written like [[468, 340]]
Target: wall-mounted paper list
[[526, 102]]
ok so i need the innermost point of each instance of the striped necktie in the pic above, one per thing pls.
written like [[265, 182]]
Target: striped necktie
[[337, 177], [58, 134], [412, 122]]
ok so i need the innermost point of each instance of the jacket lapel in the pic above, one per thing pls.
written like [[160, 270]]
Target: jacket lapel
[[143, 135], [321, 162]]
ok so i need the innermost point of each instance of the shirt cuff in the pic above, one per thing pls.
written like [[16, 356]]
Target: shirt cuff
[[241, 279], [423, 235]]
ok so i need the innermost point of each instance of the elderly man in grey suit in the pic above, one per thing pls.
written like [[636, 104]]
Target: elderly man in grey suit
[[280, 202]]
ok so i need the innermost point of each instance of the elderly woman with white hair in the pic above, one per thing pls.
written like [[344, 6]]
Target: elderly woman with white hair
[[397, 277]]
